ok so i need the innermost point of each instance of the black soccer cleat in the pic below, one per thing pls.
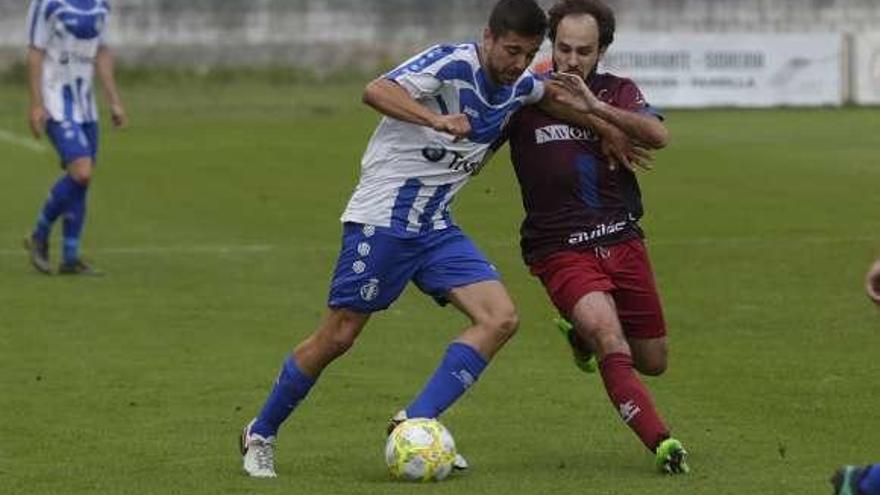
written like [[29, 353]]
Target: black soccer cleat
[[39, 254], [78, 267]]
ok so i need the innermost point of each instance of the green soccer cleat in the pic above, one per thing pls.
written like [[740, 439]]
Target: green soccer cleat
[[671, 457], [585, 361], [846, 479]]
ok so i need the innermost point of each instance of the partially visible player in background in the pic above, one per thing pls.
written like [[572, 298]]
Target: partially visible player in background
[[67, 44], [861, 480], [872, 282], [581, 235], [857, 480]]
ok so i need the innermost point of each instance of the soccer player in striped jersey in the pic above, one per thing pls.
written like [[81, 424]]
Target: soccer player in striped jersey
[[443, 113], [581, 235], [67, 44]]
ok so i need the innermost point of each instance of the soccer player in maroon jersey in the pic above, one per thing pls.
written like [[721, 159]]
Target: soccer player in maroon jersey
[[581, 235]]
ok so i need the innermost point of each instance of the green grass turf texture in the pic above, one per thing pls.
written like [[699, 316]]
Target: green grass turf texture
[[216, 218]]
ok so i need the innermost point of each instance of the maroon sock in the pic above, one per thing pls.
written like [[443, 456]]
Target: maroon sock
[[632, 399]]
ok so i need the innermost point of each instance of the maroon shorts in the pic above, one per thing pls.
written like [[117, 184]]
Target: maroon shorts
[[622, 270]]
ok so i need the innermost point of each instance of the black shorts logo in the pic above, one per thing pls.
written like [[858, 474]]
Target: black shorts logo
[[434, 153]]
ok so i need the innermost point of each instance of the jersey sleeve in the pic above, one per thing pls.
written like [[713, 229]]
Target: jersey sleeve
[[630, 97], [425, 74], [537, 91], [104, 37], [38, 26]]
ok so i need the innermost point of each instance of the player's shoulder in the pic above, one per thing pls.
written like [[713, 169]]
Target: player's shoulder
[[465, 51], [607, 80]]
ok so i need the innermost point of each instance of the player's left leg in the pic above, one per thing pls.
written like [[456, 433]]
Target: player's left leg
[[455, 271], [641, 315], [80, 171], [493, 322]]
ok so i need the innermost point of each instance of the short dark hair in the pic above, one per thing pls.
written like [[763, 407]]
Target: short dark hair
[[523, 17], [602, 13]]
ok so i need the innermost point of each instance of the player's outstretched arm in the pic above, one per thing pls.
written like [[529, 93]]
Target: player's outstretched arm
[[37, 112], [617, 146], [645, 129], [388, 98], [872, 282], [104, 68]]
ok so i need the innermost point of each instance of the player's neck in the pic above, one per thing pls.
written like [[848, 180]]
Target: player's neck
[[490, 78]]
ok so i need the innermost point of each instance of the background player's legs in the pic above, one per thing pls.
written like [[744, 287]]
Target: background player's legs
[[595, 319], [335, 335], [493, 322]]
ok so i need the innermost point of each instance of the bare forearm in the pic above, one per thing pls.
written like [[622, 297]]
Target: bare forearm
[[572, 116], [388, 98], [644, 129], [105, 70], [35, 75]]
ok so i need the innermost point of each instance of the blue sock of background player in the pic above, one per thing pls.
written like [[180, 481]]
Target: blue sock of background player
[[60, 196], [74, 220], [460, 368]]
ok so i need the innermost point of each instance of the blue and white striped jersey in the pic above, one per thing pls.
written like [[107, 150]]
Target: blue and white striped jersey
[[70, 32], [410, 173]]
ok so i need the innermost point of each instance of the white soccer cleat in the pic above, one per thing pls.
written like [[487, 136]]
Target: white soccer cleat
[[458, 464], [258, 453]]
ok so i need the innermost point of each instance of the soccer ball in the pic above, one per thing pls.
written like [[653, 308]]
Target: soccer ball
[[420, 449]]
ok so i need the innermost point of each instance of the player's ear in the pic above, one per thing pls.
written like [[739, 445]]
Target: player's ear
[[602, 53], [488, 38]]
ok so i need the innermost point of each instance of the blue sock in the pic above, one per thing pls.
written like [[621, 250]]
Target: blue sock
[[74, 220], [460, 368], [59, 197], [870, 482], [290, 388]]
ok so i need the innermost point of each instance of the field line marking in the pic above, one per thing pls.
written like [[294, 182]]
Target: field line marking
[[22, 141], [148, 250]]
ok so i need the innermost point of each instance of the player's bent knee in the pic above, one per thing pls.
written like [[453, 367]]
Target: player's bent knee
[[341, 331], [652, 368], [504, 323], [81, 171]]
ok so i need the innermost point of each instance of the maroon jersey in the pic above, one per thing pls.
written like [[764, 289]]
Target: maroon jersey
[[572, 197]]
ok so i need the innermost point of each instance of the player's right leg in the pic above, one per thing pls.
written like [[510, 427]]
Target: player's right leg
[[335, 335], [595, 319], [371, 272]]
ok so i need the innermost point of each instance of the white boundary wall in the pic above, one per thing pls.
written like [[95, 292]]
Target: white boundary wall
[[742, 70], [866, 69]]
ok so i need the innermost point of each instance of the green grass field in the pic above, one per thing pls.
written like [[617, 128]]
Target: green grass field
[[215, 217]]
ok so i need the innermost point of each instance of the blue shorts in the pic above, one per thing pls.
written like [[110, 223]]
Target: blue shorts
[[73, 141], [374, 266]]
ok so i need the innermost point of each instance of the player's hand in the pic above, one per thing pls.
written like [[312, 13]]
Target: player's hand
[[118, 115], [457, 124], [872, 282], [37, 119], [620, 150], [575, 92]]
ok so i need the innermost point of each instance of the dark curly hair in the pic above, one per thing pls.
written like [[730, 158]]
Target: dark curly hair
[[523, 17], [602, 13]]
